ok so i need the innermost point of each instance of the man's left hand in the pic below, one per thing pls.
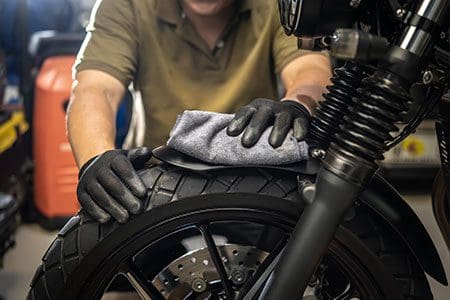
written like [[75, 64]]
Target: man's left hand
[[261, 113]]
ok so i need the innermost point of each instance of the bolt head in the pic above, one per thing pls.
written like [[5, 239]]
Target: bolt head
[[198, 285], [355, 3], [318, 153], [427, 77], [400, 12], [238, 277]]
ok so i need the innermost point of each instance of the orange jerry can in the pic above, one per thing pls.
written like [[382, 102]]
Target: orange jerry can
[[56, 174]]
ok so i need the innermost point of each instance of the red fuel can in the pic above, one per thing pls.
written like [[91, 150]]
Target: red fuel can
[[56, 174]]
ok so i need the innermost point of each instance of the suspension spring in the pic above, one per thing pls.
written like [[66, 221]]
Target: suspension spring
[[328, 117], [368, 125]]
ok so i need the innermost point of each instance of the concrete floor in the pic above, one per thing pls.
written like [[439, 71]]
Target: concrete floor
[[32, 241], [21, 262]]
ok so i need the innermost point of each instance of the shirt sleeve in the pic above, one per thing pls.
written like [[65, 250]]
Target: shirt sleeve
[[284, 48], [111, 41]]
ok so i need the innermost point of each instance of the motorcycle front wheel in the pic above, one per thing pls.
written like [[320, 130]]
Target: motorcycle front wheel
[[211, 235]]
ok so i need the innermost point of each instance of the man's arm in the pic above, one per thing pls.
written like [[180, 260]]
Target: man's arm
[[109, 185], [104, 67], [92, 112], [306, 78]]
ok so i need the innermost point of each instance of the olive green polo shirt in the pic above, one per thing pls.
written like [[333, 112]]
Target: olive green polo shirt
[[152, 44]]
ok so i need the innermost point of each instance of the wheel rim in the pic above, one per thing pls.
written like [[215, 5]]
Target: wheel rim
[[339, 277]]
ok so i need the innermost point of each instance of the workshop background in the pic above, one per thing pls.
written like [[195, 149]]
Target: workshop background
[[38, 43]]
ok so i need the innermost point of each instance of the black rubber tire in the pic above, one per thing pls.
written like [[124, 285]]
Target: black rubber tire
[[76, 250]]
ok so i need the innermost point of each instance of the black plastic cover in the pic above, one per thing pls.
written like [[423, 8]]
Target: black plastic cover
[[312, 18], [176, 158]]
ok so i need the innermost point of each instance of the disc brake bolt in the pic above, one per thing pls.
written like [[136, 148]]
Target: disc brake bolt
[[198, 285], [238, 277]]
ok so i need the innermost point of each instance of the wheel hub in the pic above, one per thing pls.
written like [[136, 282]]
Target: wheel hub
[[195, 274]]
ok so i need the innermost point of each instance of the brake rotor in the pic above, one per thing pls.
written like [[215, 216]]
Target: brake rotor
[[194, 273]]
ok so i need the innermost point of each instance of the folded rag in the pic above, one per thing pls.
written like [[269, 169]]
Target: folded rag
[[202, 135]]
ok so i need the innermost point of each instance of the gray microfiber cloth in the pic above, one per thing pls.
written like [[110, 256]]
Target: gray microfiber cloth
[[202, 135]]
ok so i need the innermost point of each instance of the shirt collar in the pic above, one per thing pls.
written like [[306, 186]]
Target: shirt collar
[[170, 10]]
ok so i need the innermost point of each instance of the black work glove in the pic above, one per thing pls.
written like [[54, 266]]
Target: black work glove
[[261, 113], [109, 185]]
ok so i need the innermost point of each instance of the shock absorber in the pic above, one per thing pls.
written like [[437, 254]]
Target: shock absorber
[[366, 130], [367, 127], [337, 102], [365, 133]]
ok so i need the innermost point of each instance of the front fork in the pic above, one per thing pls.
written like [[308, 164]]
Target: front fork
[[333, 197]]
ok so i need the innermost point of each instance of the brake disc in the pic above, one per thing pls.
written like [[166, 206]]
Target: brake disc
[[194, 273]]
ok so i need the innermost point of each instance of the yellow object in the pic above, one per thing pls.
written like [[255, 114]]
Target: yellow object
[[414, 146], [9, 130]]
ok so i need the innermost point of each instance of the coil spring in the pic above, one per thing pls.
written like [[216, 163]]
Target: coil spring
[[328, 117], [366, 128]]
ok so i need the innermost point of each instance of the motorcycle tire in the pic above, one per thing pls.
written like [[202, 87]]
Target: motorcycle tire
[[86, 253]]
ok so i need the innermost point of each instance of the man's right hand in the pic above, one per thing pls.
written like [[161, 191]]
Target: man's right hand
[[109, 185]]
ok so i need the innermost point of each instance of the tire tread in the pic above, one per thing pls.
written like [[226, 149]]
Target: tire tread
[[165, 184]]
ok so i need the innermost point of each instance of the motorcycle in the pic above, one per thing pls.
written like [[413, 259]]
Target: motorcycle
[[327, 228]]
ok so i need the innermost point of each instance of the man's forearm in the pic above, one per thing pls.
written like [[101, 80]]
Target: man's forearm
[[90, 124], [306, 79]]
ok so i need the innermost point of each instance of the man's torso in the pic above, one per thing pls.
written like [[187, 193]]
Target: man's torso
[[175, 70]]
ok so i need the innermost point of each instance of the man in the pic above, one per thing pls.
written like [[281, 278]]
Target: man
[[214, 55]]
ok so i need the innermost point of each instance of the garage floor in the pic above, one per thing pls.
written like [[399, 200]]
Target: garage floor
[[32, 241], [22, 260]]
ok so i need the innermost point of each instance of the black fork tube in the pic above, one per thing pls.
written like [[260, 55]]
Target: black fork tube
[[311, 237]]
